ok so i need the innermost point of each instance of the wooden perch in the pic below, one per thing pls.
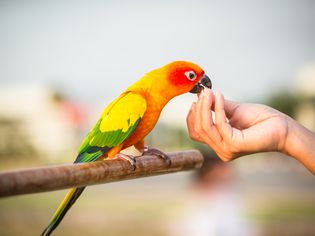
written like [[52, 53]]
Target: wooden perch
[[73, 175]]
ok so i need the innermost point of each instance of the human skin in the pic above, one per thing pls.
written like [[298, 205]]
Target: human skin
[[243, 128]]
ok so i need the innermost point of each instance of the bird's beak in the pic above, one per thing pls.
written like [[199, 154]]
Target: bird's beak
[[204, 82]]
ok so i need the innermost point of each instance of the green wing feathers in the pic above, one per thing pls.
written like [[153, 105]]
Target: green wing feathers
[[116, 124]]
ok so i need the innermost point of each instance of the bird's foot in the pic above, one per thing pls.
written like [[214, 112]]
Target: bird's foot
[[131, 159], [156, 152]]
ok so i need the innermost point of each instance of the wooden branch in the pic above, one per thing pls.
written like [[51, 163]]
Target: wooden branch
[[84, 174]]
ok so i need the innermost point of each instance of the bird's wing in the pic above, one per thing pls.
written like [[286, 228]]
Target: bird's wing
[[116, 124]]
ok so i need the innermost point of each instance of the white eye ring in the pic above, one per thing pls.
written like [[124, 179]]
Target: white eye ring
[[191, 75]]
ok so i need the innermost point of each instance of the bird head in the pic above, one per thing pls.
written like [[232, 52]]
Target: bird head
[[185, 77], [173, 79]]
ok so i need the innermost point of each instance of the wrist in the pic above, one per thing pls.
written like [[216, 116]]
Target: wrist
[[300, 144], [291, 142]]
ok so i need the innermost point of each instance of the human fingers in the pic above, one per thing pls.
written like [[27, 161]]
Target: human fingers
[[222, 124], [206, 119], [229, 107], [204, 128], [191, 123], [197, 130], [199, 120], [204, 108]]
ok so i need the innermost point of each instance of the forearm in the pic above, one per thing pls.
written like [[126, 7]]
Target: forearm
[[300, 144]]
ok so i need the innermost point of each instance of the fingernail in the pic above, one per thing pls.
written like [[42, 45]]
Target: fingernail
[[218, 94], [202, 93], [207, 91]]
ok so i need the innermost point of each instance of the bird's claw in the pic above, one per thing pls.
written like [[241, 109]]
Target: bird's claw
[[156, 152], [131, 159]]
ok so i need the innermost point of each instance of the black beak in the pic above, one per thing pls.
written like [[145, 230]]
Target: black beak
[[204, 82]]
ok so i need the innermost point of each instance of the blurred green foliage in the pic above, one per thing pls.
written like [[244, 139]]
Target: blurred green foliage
[[284, 101], [288, 102]]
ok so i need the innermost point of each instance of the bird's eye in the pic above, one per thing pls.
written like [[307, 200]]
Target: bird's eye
[[191, 75]]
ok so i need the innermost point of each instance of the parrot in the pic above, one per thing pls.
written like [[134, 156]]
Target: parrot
[[127, 120]]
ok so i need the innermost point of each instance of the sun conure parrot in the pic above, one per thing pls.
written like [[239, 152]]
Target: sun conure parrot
[[128, 119]]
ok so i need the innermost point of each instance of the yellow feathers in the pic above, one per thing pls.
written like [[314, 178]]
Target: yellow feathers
[[124, 114]]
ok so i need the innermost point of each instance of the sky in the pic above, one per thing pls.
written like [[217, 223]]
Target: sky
[[93, 50]]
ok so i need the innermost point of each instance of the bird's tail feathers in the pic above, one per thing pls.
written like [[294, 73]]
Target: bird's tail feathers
[[68, 201], [89, 155]]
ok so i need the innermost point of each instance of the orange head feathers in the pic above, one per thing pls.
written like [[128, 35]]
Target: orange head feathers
[[173, 79]]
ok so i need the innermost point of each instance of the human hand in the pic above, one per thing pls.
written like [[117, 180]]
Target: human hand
[[238, 129]]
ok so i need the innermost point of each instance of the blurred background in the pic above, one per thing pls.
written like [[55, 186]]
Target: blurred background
[[62, 62]]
